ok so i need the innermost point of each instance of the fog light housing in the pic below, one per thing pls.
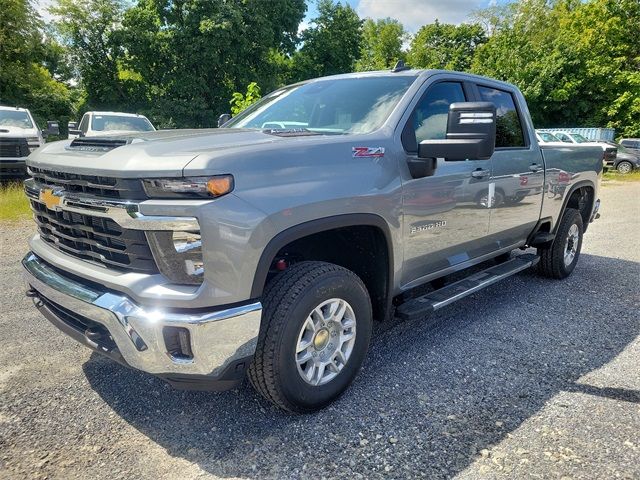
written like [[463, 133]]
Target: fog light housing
[[178, 256]]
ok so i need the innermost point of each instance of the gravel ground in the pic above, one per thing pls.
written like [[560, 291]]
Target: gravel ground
[[529, 378]]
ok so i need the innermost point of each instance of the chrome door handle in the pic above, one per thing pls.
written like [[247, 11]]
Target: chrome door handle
[[534, 167], [480, 173]]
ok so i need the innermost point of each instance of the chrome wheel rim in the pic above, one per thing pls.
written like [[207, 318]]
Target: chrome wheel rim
[[326, 341], [624, 167], [571, 245]]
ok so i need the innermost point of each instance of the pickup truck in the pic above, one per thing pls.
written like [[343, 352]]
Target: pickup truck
[[19, 136], [204, 256]]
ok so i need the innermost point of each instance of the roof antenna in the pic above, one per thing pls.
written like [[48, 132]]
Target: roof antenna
[[400, 66]]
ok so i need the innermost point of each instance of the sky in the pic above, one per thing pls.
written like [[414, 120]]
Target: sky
[[413, 13]]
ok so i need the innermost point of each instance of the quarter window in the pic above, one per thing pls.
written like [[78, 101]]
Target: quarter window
[[509, 132]]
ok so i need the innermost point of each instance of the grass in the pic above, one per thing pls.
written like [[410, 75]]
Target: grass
[[13, 203], [613, 175]]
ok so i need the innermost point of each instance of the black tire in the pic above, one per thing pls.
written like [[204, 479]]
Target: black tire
[[624, 167], [552, 258], [287, 302]]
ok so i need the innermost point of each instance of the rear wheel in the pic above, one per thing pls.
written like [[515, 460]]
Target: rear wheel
[[624, 167], [560, 258], [314, 337]]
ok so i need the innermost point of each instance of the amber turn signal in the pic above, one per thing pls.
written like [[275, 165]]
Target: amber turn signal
[[220, 185]]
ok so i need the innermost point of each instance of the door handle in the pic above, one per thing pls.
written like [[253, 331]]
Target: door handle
[[534, 167], [480, 173]]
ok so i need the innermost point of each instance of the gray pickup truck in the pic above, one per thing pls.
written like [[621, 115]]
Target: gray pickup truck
[[269, 246]]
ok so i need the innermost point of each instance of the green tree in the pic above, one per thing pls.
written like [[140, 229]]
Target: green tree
[[331, 45], [193, 54], [441, 45], [240, 101], [576, 62], [24, 79], [381, 44]]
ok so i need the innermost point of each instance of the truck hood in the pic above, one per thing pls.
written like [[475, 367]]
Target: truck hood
[[13, 132], [164, 153]]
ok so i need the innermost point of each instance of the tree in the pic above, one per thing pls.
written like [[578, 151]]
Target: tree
[[193, 54], [381, 45], [576, 62], [331, 45], [24, 79], [441, 45], [240, 101]]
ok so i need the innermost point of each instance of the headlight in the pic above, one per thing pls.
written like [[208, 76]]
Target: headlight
[[178, 256], [189, 187], [34, 142]]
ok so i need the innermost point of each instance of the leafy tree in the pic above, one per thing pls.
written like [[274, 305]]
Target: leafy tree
[[441, 45], [239, 102], [24, 79], [193, 54], [331, 45], [576, 62], [381, 44]]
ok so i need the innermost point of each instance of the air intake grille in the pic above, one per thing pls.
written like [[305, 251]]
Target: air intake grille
[[14, 147]]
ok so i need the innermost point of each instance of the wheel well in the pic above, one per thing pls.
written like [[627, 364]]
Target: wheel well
[[362, 249], [582, 200]]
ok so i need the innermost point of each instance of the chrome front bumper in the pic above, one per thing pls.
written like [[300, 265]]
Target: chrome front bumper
[[218, 339]]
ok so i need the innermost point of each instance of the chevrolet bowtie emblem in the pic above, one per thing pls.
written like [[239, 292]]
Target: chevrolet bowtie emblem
[[51, 198]]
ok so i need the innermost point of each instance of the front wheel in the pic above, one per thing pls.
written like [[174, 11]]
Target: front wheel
[[314, 337], [560, 258]]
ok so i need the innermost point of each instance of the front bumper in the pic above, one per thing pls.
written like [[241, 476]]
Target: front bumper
[[221, 342]]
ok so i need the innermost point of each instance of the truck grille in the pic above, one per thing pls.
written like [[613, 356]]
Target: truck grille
[[108, 187], [14, 147], [97, 239]]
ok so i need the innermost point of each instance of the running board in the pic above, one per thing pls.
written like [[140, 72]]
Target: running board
[[421, 306]]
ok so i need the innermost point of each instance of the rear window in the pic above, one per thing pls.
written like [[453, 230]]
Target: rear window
[[509, 132]]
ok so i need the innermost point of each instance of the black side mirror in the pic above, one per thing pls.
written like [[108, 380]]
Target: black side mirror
[[72, 126], [471, 134], [52, 128], [76, 132], [224, 118]]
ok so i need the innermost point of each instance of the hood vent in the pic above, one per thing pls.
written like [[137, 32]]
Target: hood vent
[[96, 144]]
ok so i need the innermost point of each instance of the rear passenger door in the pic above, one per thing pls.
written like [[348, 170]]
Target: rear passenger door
[[517, 171]]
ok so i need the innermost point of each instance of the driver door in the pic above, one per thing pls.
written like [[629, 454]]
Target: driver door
[[445, 221]]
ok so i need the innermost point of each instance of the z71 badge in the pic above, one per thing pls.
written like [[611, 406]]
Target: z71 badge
[[367, 152]]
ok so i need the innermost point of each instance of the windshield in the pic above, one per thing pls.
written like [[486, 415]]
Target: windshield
[[106, 123], [338, 106], [15, 118], [549, 137], [579, 138]]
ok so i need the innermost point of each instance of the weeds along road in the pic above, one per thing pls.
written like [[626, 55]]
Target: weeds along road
[[531, 377]]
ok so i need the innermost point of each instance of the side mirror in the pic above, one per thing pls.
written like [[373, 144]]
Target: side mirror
[[471, 134], [224, 118], [72, 126], [52, 128], [76, 132]]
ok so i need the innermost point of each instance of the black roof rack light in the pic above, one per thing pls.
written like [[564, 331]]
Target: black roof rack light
[[400, 66]]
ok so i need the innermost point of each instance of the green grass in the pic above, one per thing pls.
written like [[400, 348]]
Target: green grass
[[613, 175], [13, 203]]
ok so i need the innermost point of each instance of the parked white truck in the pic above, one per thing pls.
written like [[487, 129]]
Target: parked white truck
[[19, 136]]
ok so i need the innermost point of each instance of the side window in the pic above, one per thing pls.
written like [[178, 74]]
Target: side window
[[508, 125], [430, 115], [84, 123], [564, 137]]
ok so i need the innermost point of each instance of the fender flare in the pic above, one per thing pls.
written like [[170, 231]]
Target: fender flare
[[565, 202], [311, 227]]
